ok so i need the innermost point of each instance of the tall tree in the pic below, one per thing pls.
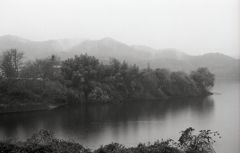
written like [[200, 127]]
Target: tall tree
[[203, 77], [80, 69], [11, 61]]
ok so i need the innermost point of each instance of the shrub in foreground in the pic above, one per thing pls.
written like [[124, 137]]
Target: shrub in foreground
[[43, 141]]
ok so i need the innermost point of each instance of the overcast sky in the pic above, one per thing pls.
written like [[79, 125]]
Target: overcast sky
[[193, 26]]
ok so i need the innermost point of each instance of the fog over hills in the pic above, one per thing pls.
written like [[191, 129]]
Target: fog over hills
[[34, 49], [222, 65]]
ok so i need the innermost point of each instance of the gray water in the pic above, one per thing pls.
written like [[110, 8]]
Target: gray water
[[133, 122]]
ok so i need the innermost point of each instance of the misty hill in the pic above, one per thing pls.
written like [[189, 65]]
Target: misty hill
[[34, 49], [223, 66], [108, 47]]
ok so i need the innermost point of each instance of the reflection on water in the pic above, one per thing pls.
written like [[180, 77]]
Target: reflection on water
[[127, 123]]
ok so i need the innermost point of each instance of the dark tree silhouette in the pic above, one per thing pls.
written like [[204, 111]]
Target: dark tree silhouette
[[11, 61]]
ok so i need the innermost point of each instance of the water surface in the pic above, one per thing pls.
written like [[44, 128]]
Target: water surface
[[132, 122]]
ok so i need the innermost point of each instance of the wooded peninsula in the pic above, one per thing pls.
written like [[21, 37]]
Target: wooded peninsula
[[85, 78]]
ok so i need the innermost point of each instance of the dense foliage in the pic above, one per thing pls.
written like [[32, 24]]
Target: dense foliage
[[85, 78], [117, 81], [43, 141]]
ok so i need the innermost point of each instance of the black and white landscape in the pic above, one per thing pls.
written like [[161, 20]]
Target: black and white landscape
[[101, 76]]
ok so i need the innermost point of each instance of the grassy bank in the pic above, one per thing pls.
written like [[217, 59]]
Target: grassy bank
[[43, 141]]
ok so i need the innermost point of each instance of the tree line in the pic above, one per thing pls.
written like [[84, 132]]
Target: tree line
[[86, 78]]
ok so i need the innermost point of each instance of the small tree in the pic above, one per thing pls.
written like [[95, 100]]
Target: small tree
[[10, 62], [115, 66], [198, 143]]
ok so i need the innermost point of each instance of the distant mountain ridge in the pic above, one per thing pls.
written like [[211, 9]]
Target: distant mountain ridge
[[222, 65], [35, 49]]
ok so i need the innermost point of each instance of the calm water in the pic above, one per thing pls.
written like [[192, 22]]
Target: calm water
[[138, 121]]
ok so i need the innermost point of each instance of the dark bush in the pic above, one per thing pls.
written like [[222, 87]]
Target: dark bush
[[43, 141]]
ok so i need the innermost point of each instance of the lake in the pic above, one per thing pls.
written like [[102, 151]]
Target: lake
[[133, 122]]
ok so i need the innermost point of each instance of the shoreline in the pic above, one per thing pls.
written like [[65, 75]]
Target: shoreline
[[4, 109]]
